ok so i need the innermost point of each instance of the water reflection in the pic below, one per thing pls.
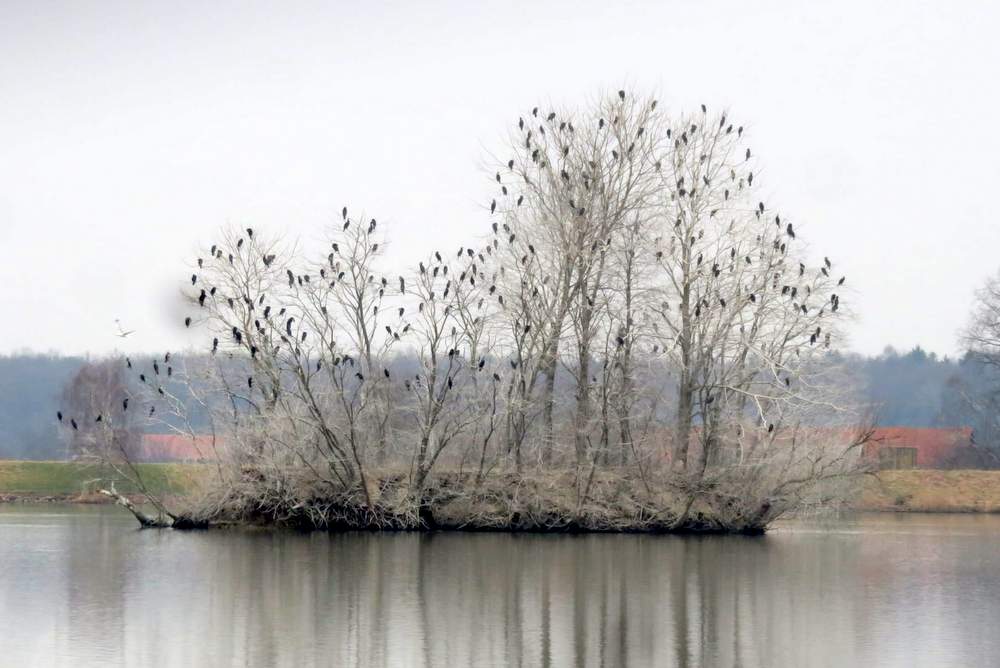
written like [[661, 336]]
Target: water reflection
[[81, 586]]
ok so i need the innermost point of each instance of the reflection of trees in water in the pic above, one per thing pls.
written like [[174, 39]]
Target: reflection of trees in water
[[243, 598], [95, 594]]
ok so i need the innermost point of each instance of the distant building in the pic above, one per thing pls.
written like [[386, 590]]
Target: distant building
[[174, 448], [919, 447]]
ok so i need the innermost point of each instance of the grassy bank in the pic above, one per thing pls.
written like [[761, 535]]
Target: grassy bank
[[72, 480], [930, 491], [894, 491]]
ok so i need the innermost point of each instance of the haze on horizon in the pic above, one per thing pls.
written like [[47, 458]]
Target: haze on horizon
[[131, 132]]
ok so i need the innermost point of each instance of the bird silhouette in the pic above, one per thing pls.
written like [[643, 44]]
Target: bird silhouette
[[122, 333]]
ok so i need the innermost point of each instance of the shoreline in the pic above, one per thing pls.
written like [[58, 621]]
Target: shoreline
[[98, 499], [928, 491]]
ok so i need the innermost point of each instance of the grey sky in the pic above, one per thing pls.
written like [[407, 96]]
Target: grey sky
[[129, 132]]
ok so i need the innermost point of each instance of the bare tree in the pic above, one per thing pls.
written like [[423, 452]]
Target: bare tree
[[634, 294]]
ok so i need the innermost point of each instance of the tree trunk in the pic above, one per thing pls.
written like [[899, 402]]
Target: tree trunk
[[146, 521], [548, 403], [581, 421]]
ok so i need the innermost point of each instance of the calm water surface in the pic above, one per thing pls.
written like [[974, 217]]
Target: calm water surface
[[83, 586]]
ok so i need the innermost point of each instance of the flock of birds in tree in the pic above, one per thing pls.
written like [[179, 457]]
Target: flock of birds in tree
[[284, 323], [539, 157], [167, 371]]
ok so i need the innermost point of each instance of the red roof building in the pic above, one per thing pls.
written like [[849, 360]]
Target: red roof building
[[917, 447], [174, 448]]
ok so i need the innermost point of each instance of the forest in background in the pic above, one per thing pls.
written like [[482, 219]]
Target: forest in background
[[910, 389]]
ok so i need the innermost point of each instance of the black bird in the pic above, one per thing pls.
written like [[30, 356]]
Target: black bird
[[142, 378], [770, 428], [100, 418], [386, 371], [201, 298], [790, 231], [510, 164], [842, 279], [187, 323], [496, 377], [59, 415], [250, 233], [343, 213], [829, 265], [493, 206], [201, 263], [250, 382], [402, 285], [215, 345], [288, 326], [194, 278], [73, 422], [125, 404], [621, 94], [156, 368], [152, 409], [128, 362]]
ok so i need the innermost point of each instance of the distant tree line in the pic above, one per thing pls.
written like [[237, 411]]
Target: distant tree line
[[905, 389]]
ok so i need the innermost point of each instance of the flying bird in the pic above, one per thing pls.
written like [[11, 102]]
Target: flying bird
[[122, 333]]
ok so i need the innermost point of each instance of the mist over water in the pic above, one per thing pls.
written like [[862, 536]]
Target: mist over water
[[82, 586]]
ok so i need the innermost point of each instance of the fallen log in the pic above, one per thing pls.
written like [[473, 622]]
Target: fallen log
[[146, 521]]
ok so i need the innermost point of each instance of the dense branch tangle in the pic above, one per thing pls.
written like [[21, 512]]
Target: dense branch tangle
[[633, 305]]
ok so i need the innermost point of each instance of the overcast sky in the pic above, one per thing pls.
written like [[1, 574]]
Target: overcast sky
[[129, 132]]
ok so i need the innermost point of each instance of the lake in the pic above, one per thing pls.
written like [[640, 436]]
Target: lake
[[81, 585]]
